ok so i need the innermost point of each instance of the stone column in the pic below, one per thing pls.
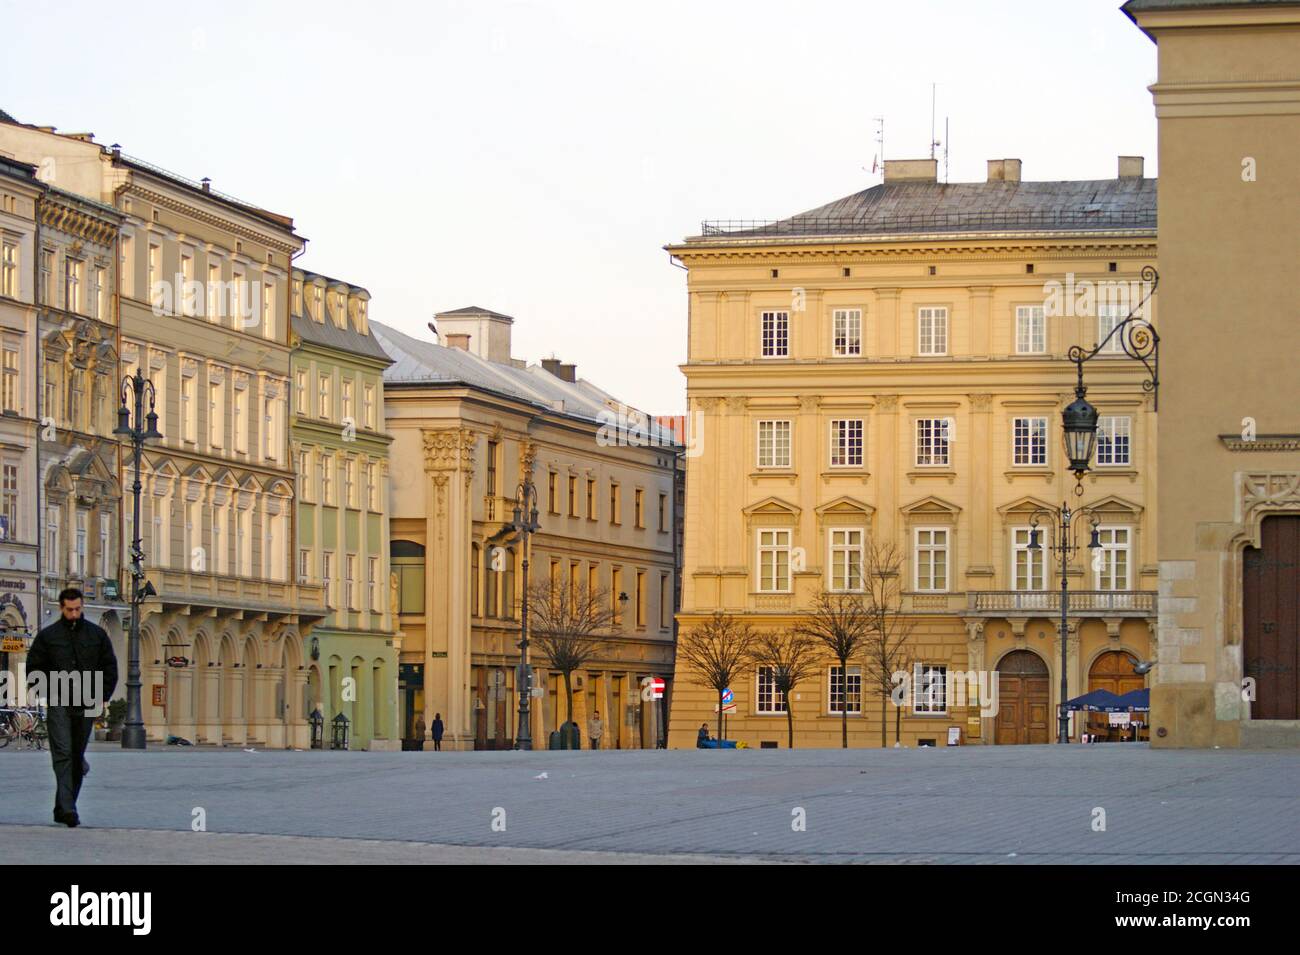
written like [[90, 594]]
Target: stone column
[[979, 571], [978, 728], [892, 465], [449, 462], [209, 727]]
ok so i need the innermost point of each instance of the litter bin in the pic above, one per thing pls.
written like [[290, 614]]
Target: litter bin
[[571, 736], [554, 742]]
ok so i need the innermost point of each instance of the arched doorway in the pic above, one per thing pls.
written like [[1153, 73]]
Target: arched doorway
[[1024, 699], [1112, 671], [1271, 619]]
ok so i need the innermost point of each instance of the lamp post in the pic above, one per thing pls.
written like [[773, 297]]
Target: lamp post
[[523, 525], [139, 428], [1066, 546]]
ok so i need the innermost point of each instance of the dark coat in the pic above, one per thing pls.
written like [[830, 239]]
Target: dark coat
[[437, 729], [87, 648]]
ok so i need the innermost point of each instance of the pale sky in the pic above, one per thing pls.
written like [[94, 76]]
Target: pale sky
[[534, 157]]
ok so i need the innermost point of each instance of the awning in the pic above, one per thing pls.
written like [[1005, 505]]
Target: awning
[[1098, 701], [1137, 700]]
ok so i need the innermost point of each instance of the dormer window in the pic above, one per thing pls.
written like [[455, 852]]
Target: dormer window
[[318, 304]]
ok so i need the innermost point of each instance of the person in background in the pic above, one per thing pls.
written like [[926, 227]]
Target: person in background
[[419, 731], [702, 737], [437, 732], [72, 645], [595, 729]]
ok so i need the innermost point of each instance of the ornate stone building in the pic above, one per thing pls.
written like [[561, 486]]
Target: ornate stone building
[[469, 423], [891, 368]]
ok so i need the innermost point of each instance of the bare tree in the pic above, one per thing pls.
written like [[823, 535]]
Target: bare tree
[[568, 625], [840, 623], [718, 649], [888, 630], [792, 657]]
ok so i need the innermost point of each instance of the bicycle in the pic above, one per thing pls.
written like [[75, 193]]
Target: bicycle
[[25, 725]]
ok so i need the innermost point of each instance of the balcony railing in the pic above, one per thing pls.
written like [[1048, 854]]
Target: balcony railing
[[1099, 602]]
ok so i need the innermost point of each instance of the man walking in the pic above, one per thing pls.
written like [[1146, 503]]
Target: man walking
[[595, 729], [69, 646]]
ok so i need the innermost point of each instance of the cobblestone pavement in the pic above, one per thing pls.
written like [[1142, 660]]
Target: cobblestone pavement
[[1027, 804]]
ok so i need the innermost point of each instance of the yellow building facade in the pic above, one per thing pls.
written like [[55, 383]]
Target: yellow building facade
[[1227, 100], [891, 367]]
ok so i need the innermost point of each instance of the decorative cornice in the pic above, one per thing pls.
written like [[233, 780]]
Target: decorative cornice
[[1261, 442], [77, 223], [449, 449], [195, 212]]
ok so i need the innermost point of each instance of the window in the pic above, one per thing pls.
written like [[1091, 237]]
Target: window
[[552, 479], [368, 406], [593, 578], [9, 504], [1031, 330], [12, 391], [492, 447], [932, 438], [304, 565], [774, 561], [665, 602], [776, 335], [1108, 316], [214, 292], [1029, 441], [640, 599], [220, 544], [931, 558], [73, 275], [270, 429], [50, 398], [372, 585], [349, 483], [1113, 440], [614, 501], [1028, 567], [126, 266], [239, 419], [840, 694], [327, 576], [1113, 562], [75, 395], [155, 277], [846, 443], [9, 269], [345, 393], [300, 405], [350, 580], [573, 496], [930, 689], [372, 488], [774, 444], [638, 506], [616, 588], [591, 499], [240, 307], [327, 479], [932, 331], [104, 538], [846, 558], [189, 408], [770, 699], [268, 310], [323, 408], [847, 332], [47, 277], [663, 512], [103, 296], [186, 292], [52, 552], [304, 476], [216, 411], [245, 543]]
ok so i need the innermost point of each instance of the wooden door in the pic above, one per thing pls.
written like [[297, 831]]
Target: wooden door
[[1024, 699], [1112, 671], [1270, 598]]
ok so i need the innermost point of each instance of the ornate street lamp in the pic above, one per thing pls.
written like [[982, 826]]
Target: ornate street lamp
[[1066, 545], [1137, 338], [522, 526], [139, 428]]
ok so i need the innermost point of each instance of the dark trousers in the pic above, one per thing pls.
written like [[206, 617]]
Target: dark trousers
[[437, 744], [595, 742], [70, 731]]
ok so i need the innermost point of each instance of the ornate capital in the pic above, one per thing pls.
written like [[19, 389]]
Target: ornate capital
[[736, 404], [887, 402], [449, 449], [980, 402], [527, 456], [809, 403], [708, 405]]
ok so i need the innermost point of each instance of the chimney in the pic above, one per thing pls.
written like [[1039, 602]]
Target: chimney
[[1130, 167], [1004, 170], [489, 331], [552, 365], [459, 340], [569, 373], [911, 170]]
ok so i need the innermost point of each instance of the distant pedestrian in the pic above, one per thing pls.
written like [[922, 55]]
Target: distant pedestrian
[[702, 737], [437, 732], [72, 645], [419, 731], [595, 729]]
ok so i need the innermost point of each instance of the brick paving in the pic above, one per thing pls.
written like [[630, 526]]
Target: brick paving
[[1028, 804]]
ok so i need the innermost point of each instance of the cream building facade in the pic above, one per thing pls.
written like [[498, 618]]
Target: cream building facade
[[469, 423], [889, 367], [1227, 100], [203, 312]]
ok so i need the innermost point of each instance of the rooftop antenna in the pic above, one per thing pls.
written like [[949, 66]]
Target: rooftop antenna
[[945, 150], [879, 162], [933, 142]]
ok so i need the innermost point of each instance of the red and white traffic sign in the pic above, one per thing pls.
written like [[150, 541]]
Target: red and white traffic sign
[[657, 688]]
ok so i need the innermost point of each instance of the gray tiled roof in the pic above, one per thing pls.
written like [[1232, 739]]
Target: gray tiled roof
[[1141, 5], [999, 206], [347, 339], [416, 361]]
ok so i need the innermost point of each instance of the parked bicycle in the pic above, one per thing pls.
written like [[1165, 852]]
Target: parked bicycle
[[24, 725]]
